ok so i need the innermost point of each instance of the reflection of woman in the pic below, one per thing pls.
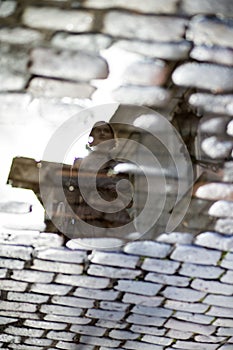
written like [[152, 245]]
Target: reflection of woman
[[105, 205]]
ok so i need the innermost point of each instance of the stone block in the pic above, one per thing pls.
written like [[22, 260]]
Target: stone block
[[14, 251], [67, 319], [212, 54], [215, 191], [212, 103], [51, 289], [180, 344], [224, 226], [183, 294], [219, 300], [227, 277], [217, 148], [60, 310], [17, 306], [210, 31], [7, 338], [215, 240], [32, 276], [113, 272], [20, 36], [61, 254], [201, 271], [142, 95], [161, 266], [164, 341], [52, 18], [146, 320], [99, 341], [12, 263], [7, 320], [137, 345], [218, 311], [212, 77], [212, 287], [44, 325], [175, 334], [142, 299], [138, 287], [154, 28], [67, 64], [38, 341], [72, 301], [83, 329], [190, 327], [224, 7], [27, 297], [114, 259], [96, 294], [24, 332], [84, 281], [105, 314], [192, 317], [57, 335], [148, 248], [147, 330], [59, 267], [122, 335], [194, 254], [7, 284], [186, 306], [73, 346], [167, 279], [151, 311], [227, 261], [221, 209], [175, 238], [115, 306]]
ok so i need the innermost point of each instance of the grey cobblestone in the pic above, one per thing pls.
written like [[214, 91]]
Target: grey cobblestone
[[16, 306], [191, 317], [20, 35], [83, 329], [25, 332], [194, 345], [167, 279], [147, 330], [113, 272], [176, 238], [146, 320], [213, 287], [99, 341], [194, 254], [105, 314], [60, 310], [84, 281], [142, 300], [212, 54], [202, 271], [215, 191], [219, 300], [7, 284], [224, 331], [11, 264], [223, 322], [148, 248], [224, 226], [44, 325], [209, 339], [162, 266], [183, 294], [151, 311], [72, 301], [38, 341], [115, 306], [138, 287], [58, 19], [7, 8], [27, 297], [228, 277], [3, 273], [112, 324], [219, 311], [175, 334], [121, 335], [114, 259], [137, 345], [57, 267], [73, 346], [190, 327], [184, 306], [207, 7], [157, 340], [9, 338], [67, 319], [212, 103], [96, 294], [56, 335], [25, 347], [7, 320]]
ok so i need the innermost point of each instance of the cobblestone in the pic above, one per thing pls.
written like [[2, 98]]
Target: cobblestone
[[11, 264], [111, 305], [208, 7], [7, 8], [147, 330], [167, 279], [161, 266], [212, 54], [137, 345], [194, 346], [114, 259], [210, 32], [191, 317], [60, 310], [113, 272], [212, 287], [174, 334], [106, 315], [54, 63], [83, 329], [121, 335], [215, 191], [141, 27], [84, 281], [20, 36], [57, 266], [67, 319], [194, 254], [184, 306], [72, 301], [56, 335], [96, 294], [142, 300], [148, 248], [186, 75], [33, 276], [26, 297], [183, 294], [58, 19], [224, 226], [215, 240], [212, 103], [99, 341], [52, 288], [221, 209], [190, 327], [227, 278], [44, 325], [202, 271], [146, 320], [138, 287], [7, 284], [151, 311], [13, 251], [25, 332]]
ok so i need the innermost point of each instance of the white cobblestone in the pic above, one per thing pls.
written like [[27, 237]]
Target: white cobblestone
[[209, 339], [19, 314], [67, 319], [56, 335], [3, 273], [121, 335], [215, 240], [18, 252], [227, 261], [53, 289], [219, 311], [84, 281], [151, 311], [6, 320], [112, 324], [194, 254], [224, 322], [13, 285], [57, 267], [33, 276], [194, 345], [62, 254], [183, 294], [162, 266], [175, 334], [114, 259], [9, 338], [113, 272], [57, 19], [157, 340], [25, 332], [221, 209], [147, 330], [11, 264], [176, 238], [115, 306], [138, 287], [148, 248], [72, 346], [202, 271], [38, 341], [15, 306], [225, 331]]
